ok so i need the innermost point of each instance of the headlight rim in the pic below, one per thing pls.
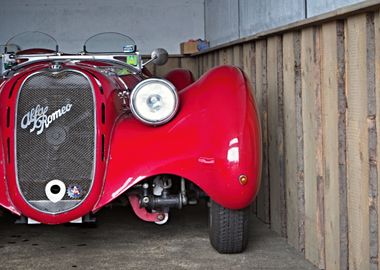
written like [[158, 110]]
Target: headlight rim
[[133, 97]]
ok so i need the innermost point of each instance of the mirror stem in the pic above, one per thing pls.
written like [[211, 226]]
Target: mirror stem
[[150, 60]]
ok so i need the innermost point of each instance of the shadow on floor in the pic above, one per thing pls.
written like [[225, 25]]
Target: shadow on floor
[[122, 241]]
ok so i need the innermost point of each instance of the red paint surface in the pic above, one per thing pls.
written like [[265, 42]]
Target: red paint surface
[[214, 138], [180, 78]]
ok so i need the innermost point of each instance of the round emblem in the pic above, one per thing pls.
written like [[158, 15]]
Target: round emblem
[[74, 191]]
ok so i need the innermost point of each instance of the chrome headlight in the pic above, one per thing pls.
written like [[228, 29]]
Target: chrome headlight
[[154, 101]]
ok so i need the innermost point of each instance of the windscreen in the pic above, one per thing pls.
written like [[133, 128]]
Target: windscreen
[[31, 42], [109, 42]]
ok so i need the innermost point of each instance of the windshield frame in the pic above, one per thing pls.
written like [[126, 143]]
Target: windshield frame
[[11, 62]]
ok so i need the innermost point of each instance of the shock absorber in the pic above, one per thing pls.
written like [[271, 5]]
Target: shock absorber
[[161, 197]]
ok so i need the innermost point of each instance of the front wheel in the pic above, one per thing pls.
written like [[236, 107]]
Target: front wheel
[[228, 228]]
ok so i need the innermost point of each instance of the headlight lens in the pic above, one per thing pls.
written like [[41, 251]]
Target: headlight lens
[[154, 101]]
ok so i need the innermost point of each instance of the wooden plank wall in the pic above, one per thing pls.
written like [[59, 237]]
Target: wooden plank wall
[[318, 90]]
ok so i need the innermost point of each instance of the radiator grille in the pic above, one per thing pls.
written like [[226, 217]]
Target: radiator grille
[[62, 145]]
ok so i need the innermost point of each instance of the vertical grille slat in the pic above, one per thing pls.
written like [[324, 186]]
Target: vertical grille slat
[[63, 149], [8, 116]]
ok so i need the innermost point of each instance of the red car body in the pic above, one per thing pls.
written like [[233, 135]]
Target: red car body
[[213, 139]]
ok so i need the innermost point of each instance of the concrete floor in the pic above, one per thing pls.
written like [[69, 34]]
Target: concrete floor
[[122, 241]]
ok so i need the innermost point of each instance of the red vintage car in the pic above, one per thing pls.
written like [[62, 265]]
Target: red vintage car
[[78, 131]]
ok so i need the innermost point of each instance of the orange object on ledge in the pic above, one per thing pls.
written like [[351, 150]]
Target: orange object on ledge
[[189, 47]]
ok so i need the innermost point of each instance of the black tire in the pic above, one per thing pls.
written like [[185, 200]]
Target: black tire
[[229, 228]]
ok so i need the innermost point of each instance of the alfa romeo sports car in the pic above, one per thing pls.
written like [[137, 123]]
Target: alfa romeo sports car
[[78, 131]]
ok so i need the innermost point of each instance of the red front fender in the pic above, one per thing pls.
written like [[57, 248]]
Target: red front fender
[[213, 140]]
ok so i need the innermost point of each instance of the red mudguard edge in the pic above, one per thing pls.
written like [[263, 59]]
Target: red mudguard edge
[[214, 138]]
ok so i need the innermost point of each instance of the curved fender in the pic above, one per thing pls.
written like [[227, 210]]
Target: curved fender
[[213, 140]]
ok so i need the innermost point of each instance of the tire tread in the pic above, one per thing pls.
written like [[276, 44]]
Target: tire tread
[[228, 228]]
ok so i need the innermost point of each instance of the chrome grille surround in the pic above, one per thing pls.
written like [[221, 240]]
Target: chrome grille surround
[[64, 150]]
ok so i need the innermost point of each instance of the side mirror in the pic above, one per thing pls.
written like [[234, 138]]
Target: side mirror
[[159, 56]]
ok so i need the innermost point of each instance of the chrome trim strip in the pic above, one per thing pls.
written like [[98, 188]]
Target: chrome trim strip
[[102, 58]]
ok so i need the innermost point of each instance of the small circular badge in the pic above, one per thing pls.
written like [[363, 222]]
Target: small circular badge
[[74, 191]]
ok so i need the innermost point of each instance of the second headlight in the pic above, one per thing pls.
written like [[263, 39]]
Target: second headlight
[[154, 101]]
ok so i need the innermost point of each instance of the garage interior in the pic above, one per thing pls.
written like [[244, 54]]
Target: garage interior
[[315, 72]]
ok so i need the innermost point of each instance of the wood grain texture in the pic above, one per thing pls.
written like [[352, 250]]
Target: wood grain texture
[[248, 59], [276, 135], [372, 143], [221, 57], [210, 60], [249, 68], [330, 119], [377, 85], [238, 56], [216, 58], [249, 64], [357, 143], [205, 63], [313, 154], [290, 138], [342, 139], [229, 56], [300, 144], [226, 56], [190, 64], [262, 100]]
